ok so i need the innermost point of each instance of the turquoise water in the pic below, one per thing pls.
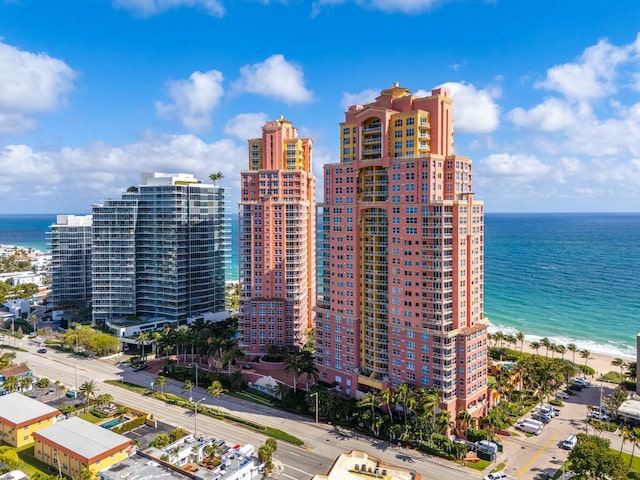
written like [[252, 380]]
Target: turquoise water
[[114, 422], [570, 277], [573, 278]]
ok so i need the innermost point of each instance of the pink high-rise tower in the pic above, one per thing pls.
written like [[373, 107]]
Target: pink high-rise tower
[[401, 256], [277, 241]]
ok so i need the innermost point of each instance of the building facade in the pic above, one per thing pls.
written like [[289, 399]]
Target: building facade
[[70, 241], [21, 416], [73, 445], [400, 256], [277, 241], [161, 251]]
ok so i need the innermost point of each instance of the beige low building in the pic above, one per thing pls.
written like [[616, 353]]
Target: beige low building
[[75, 444], [21, 416], [357, 465]]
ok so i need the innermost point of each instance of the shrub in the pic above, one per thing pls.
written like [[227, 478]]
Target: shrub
[[477, 435], [130, 425]]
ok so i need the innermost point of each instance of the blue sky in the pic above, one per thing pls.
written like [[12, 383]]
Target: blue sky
[[94, 92]]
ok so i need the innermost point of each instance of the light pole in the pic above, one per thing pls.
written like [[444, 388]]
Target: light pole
[[316, 395], [195, 415]]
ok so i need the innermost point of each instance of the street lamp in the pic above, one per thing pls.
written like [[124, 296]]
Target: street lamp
[[195, 415], [316, 395]]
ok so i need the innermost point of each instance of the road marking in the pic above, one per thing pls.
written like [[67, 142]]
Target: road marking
[[301, 471], [535, 457]]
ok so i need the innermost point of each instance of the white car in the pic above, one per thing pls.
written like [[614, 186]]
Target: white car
[[582, 381], [496, 476], [562, 395], [600, 416]]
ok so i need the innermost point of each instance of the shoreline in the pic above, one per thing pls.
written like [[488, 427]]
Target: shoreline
[[627, 352], [601, 363]]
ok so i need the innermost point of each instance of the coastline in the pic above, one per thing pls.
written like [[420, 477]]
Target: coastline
[[601, 363]]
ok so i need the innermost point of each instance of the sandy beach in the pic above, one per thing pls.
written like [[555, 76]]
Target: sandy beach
[[600, 363]]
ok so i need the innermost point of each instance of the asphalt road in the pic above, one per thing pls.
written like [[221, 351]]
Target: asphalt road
[[323, 443]]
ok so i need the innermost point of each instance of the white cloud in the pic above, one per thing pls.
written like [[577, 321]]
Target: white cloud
[[148, 8], [592, 76], [386, 6], [552, 114], [30, 83], [99, 171], [474, 110], [519, 167], [360, 98], [193, 99], [15, 122], [246, 125], [276, 78]]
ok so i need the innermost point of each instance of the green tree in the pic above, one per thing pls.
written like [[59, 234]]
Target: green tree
[[87, 390], [216, 389], [618, 362], [292, 365], [11, 383], [520, 338], [585, 354], [142, 339], [592, 458], [573, 348], [43, 382], [535, 346], [160, 382], [216, 177], [188, 387], [26, 383]]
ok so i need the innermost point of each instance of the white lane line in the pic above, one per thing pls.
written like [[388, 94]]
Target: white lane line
[[297, 469]]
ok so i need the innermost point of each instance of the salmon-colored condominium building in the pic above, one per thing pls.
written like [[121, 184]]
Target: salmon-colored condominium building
[[277, 241], [400, 256]]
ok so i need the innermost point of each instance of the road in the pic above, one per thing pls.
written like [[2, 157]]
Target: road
[[323, 443]]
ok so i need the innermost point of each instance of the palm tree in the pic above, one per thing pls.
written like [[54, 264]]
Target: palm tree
[[188, 387], [216, 177], [160, 382], [11, 383], [403, 395], [585, 354], [635, 439], [535, 346], [561, 349], [546, 343], [618, 362], [216, 389], [573, 348], [386, 396], [26, 383], [142, 340], [520, 338], [464, 417], [308, 367], [87, 389], [292, 365]]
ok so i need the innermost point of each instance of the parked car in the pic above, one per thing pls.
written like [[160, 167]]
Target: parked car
[[543, 417], [570, 442], [496, 476], [599, 416], [576, 387], [582, 381], [42, 350], [141, 366], [563, 395]]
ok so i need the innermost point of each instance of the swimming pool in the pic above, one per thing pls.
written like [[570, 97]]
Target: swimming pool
[[114, 422]]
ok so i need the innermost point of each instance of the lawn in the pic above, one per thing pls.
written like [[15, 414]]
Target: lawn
[[23, 456]]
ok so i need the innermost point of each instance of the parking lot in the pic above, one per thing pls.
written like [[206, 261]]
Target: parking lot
[[534, 457]]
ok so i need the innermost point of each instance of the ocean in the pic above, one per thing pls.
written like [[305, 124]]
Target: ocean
[[573, 278]]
